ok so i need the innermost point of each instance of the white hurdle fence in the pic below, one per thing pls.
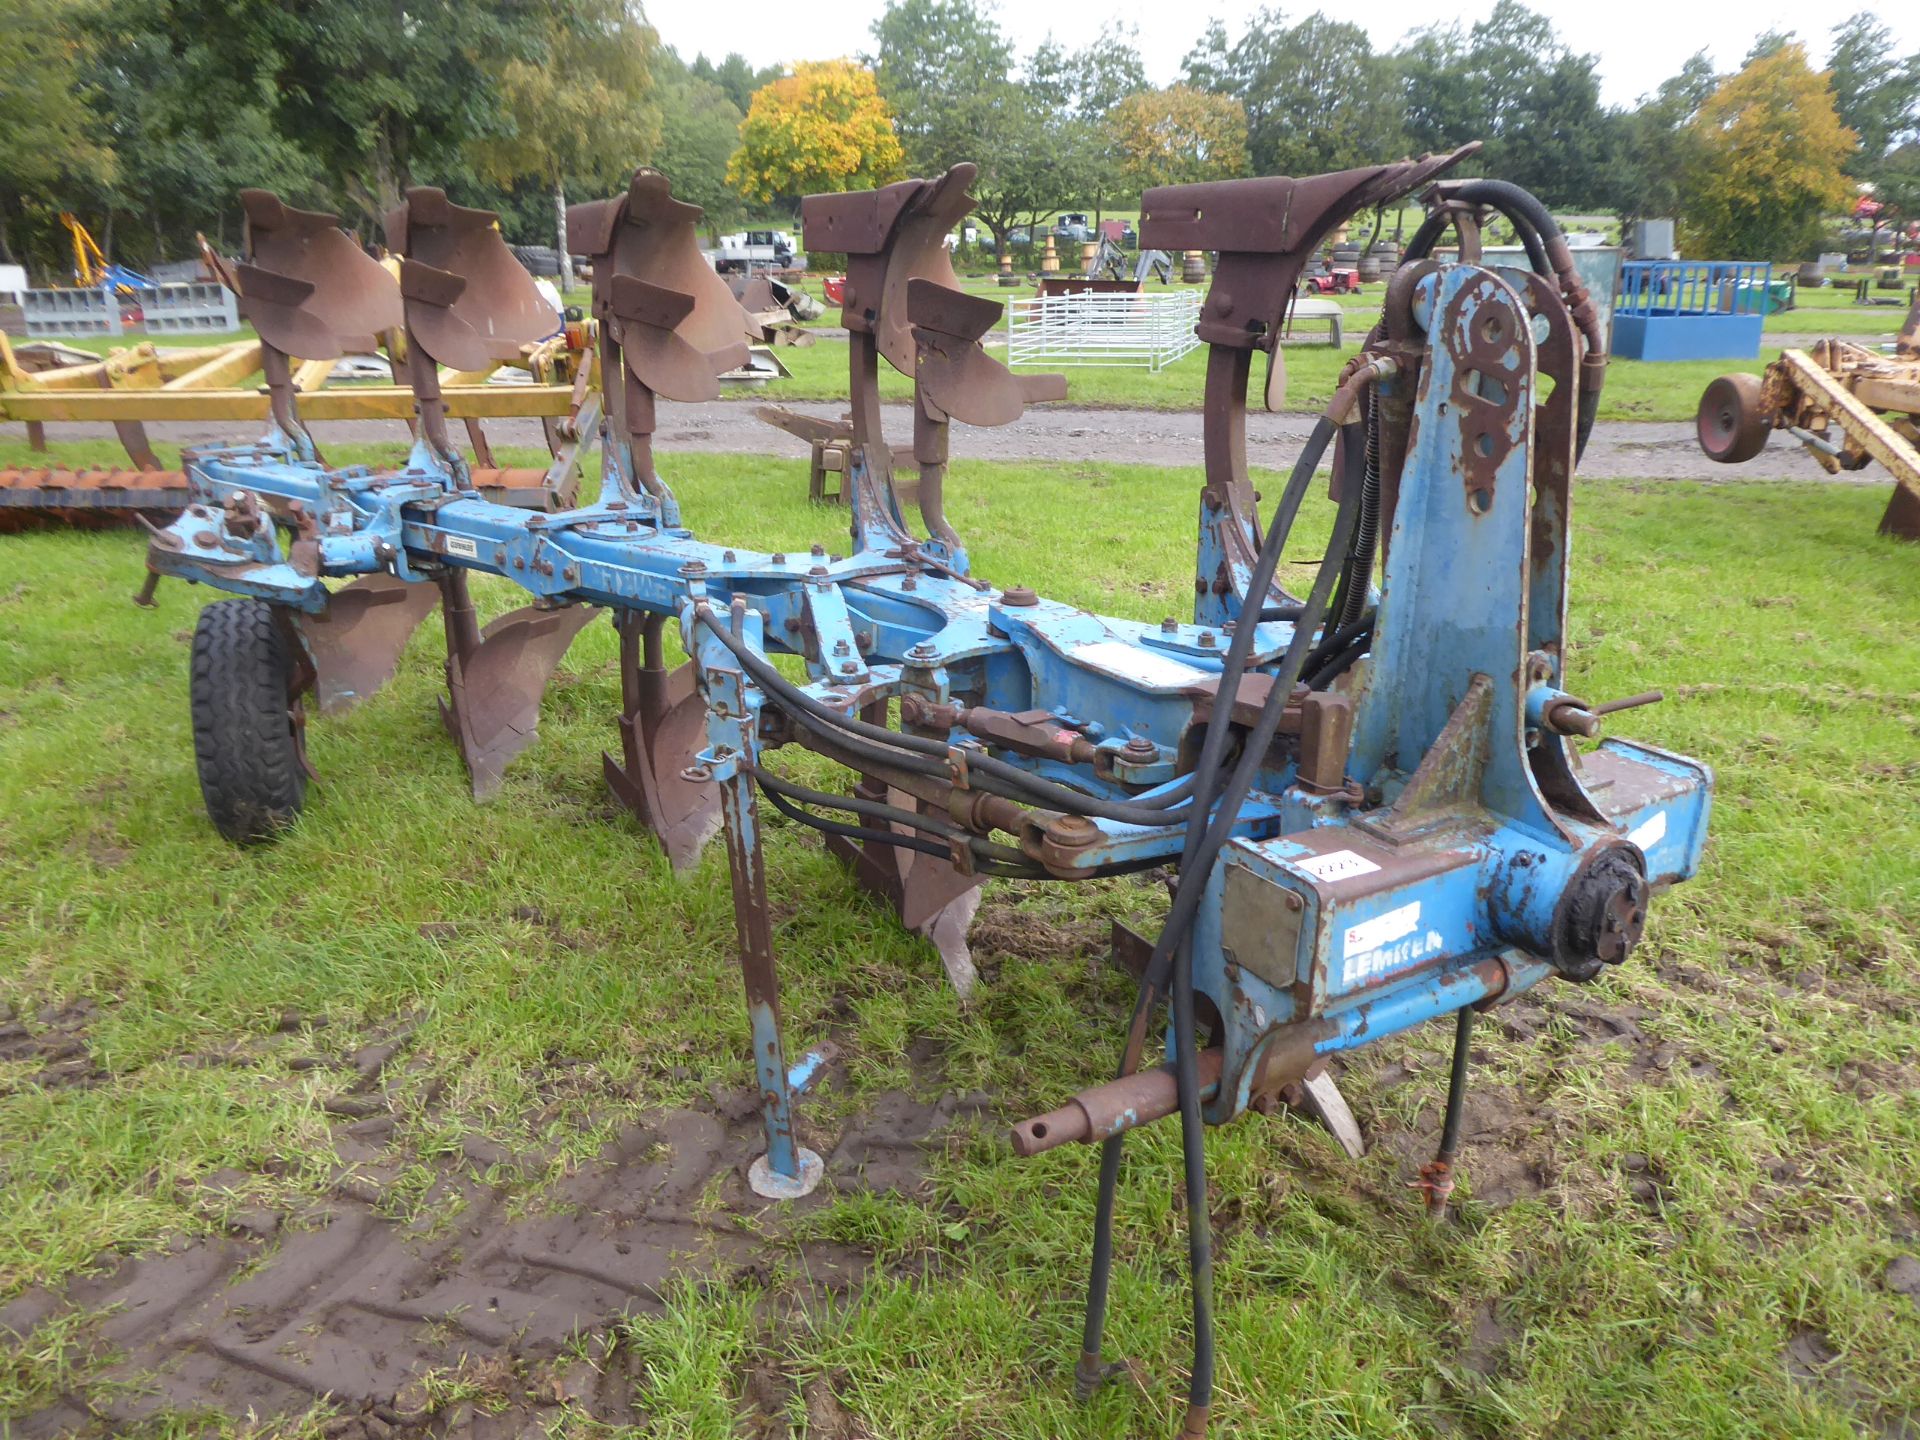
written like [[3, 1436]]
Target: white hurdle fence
[[1149, 330]]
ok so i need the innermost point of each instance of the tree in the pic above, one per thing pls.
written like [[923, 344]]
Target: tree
[[49, 133], [699, 128], [582, 110], [1179, 135], [1316, 95], [734, 77], [1770, 155], [945, 69], [378, 93], [1876, 92], [824, 127], [1657, 144]]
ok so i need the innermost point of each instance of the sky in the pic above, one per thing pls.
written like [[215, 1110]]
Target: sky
[[1639, 42]]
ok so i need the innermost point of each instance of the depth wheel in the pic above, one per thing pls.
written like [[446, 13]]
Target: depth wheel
[[246, 721], [1732, 424]]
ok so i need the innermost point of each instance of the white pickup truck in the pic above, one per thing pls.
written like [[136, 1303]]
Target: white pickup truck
[[755, 250]]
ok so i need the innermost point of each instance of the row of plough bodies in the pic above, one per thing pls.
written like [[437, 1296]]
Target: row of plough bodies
[[314, 295], [1370, 791]]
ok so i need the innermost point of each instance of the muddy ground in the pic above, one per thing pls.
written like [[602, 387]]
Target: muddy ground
[[498, 1305], [1619, 449]]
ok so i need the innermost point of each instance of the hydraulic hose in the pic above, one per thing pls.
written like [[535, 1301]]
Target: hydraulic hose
[[917, 752], [1202, 845]]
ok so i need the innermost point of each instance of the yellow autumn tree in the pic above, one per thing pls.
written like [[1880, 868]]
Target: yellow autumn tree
[[1765, 159], [1178, 136], [822, 128]]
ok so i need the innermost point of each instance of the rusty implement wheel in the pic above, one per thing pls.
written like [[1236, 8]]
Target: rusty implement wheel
[[246, 720], [1732, 423]]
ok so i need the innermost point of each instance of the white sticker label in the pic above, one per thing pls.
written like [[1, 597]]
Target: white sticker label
[[1383, 929], [1335, 865], [1650, 831], [1133, 662], [460, 545]]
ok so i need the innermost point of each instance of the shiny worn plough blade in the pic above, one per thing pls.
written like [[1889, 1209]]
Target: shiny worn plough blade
[[663, 728], [355, 643], [493, 705]]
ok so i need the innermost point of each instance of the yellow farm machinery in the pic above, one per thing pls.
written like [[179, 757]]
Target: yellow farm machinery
[[1849, 404]]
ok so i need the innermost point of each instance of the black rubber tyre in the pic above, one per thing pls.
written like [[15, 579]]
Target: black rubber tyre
[[244, 738], [1731, 423]]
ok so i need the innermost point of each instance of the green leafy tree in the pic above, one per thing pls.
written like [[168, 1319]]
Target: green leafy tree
[[1657, 144], [822, 128], [48, 136], [1316, 95], [582, 110], [381, 94], [1875, 89], [736, 79], [699, 130], [946, 70], [1769, 162]]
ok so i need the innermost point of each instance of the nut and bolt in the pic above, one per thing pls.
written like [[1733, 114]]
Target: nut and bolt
[[909, 583], [1019, 595], [1206, 639], [818, 550], [1169, 626], [727, 556], [694, 567], [839, 647], [922, 651], [779, 557], [848, 667]]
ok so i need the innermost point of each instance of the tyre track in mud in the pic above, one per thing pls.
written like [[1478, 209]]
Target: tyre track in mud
[[347, 1304]]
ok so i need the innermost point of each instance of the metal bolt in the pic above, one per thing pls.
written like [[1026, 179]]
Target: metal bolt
[[1019, 595], [694, 567], [1139, 747], [922, 651], [535, 521], [1206, 638], [727, 556], [839, 647], [616, 504], [779, 557], [1169, 626], [819, 550], [909, 583], [1294, 902], [848, 667], [818, 570]]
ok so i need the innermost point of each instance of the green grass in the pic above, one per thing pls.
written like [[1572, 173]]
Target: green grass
[[1781, 628]]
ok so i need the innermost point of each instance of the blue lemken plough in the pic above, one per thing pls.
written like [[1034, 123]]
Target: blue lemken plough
[[1371, 792]]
